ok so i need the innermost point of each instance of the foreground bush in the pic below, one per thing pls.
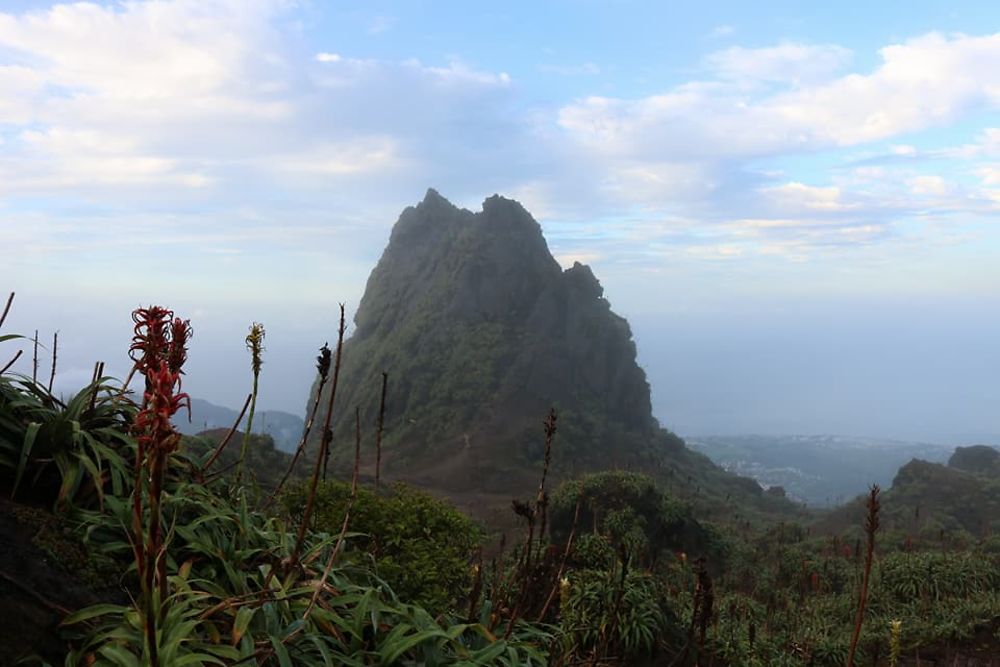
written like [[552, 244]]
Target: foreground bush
[[422, 547]]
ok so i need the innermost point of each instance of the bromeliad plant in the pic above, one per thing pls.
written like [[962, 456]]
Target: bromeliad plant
[[159, 348], [219, 583], [70, 450]]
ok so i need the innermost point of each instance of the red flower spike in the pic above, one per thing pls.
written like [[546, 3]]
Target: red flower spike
[[151, 337], [153, 425], [180, 334]]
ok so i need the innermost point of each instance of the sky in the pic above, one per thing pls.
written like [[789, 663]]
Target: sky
[[794, 204]]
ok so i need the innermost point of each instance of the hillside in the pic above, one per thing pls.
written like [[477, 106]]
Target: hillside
[[818, 470], [284, 427], [481, 331], [933, 501]]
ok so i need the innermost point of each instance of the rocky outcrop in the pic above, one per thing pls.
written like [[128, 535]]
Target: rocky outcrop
[[481, 331], [977, 459]]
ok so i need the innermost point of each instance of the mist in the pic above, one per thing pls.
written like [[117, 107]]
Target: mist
[[915, 369], [918, 369]]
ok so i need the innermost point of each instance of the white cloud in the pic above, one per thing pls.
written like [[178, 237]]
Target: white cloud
[[182, 105], [694, 148], [189, 94], [715, 252], [340, 159], [922, 83], [19, 86], [787, 62], [990, 174], [928, 185], [987, 144], [798, 196], [458, 73], [59, 158]]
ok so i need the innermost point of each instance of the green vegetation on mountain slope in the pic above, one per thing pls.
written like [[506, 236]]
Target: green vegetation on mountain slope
[[612, 568], [481, 331]]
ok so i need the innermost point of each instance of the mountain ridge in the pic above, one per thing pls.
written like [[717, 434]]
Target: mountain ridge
[[284, 427], [928, 500], [482, 331]]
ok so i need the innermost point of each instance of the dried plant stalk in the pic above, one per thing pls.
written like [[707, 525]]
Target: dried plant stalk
[[871, 527], [55, 349], [225, 441], [6, 309], [324, 444], [565, 556], [323, 370], [347, 514]]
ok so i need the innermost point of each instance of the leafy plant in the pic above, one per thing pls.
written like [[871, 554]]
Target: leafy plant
[[422, 547]]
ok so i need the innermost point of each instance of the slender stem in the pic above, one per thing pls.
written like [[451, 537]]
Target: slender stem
[[324, 444], [6, 309], [34, 365], [11, 362], [154, 544], [138, 536], [95, 382], [128, 381], [225, 441], [542, 501], [531, 514], [302, 442], [871, 527], [327, 433], [378, 433], [477, 587], [347, 514], [246, 433], [565, 556], [55, 350]]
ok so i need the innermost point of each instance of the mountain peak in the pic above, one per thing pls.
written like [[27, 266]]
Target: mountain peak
[[582, 276], [433, 197], [497, 201], [481, 332]]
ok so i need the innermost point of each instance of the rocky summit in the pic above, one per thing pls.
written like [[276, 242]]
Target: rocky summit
[[481, 332]]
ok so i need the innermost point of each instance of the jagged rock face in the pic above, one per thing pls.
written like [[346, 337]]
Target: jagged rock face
[[977, 459], [481, 331]]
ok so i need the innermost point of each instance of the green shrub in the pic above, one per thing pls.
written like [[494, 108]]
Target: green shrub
[[600, 612], [422, 547], [632, 512]]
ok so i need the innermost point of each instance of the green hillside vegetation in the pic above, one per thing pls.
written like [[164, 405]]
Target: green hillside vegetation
[[931, 503], [612, 568], [978, 460], [284, 428], [267, 463], [480, 331]]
